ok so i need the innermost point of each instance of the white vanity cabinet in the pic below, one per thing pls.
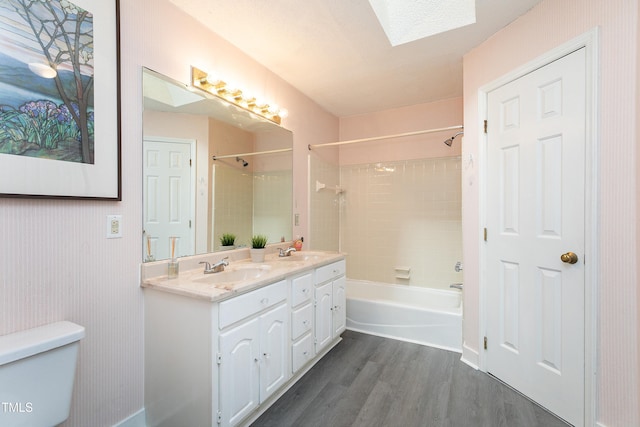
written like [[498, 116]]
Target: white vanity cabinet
[[254, 350], [330, 303], [221, 358], [302, 349]]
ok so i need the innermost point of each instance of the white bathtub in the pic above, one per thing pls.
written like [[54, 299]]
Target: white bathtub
[[425, 316]]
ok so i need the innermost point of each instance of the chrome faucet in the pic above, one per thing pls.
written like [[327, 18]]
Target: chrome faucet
[[456, 286], [286, 252], [215, 268]]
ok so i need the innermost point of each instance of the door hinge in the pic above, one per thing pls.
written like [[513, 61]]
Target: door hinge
[[191, 161], [219, 358], [485, 343], [485, 126], [189, 223], [219, 417], [485, 234]]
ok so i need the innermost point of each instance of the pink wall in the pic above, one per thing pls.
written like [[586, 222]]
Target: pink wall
[[57, 263], [550, 24], [439, 114]]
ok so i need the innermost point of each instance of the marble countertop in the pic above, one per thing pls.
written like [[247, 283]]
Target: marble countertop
[[240, 276]]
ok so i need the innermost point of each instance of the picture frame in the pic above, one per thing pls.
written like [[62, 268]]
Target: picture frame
[[60, 99]]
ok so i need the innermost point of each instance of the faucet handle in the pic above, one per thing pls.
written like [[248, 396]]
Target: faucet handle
[[207, 266]]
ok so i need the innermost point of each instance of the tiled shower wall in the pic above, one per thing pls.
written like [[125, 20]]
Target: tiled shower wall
[[233, 204], [244, 204], [272, 203], [400, 222], [324, 205]]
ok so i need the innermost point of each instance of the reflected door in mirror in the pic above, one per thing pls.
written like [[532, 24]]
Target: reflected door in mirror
[[168, 197]]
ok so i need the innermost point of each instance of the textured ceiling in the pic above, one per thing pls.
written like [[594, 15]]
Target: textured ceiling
[[406, 21], [337, 53]]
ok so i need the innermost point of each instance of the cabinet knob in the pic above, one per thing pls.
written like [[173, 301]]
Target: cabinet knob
[[266, 355], [305, 353], [265, 301], [256, 360], [305, 291], [305, 322]]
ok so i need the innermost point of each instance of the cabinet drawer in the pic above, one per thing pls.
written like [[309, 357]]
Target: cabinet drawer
[[301, 289], [301, 352], [242, 306], [301, 321], [330, 271]]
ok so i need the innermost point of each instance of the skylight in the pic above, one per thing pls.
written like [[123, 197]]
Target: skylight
[[406, 21]]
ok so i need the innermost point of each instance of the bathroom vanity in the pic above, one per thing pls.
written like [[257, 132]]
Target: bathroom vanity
[[221, 348]]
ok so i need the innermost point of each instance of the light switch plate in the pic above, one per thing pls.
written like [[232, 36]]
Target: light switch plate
[[114, 226]]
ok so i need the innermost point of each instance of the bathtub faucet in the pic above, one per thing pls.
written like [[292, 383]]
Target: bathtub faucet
[[456, 286]]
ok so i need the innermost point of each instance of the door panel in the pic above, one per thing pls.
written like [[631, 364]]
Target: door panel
[[239, 371], [167, 197], [339, 306], [274, 339], [323, 310], [535, 213]]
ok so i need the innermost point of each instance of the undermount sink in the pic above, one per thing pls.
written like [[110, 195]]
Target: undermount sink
[[237, 274]]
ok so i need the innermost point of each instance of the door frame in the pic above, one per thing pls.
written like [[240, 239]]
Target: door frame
[[192, 180], [589, 41]]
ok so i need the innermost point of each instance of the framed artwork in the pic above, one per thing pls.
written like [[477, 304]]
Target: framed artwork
[[60, 99]]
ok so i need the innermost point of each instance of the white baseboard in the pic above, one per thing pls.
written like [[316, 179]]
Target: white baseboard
[[470, 356], [136, 420]]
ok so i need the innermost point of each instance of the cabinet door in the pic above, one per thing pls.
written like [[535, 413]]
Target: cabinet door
[[339, 306], [274, 349], [239, 372], [323, 310]]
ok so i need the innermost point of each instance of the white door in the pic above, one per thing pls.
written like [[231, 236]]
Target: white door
[[274, 340], [535, 214], [167, 197], [239, 372]]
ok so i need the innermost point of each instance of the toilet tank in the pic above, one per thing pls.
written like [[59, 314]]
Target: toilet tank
[[37, 369]]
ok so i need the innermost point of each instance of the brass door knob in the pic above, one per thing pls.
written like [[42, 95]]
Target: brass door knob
[[569, 258]]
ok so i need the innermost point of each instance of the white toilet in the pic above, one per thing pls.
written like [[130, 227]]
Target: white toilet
[[37, 369]]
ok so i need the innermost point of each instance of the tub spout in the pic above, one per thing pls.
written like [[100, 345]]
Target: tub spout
[[456, 286]]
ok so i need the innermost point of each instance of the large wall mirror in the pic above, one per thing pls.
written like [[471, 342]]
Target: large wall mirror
[[210, 168]]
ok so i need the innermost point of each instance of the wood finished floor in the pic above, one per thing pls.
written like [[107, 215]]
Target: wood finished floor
[[371, 381]]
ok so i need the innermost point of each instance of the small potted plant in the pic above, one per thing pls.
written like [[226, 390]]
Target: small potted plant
[[228, 241], [258, 242]]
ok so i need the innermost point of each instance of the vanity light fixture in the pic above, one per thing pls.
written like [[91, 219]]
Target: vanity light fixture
[[221, 89]]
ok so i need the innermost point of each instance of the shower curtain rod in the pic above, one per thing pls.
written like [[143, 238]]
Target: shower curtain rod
[[376, 138], [255, 153]]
